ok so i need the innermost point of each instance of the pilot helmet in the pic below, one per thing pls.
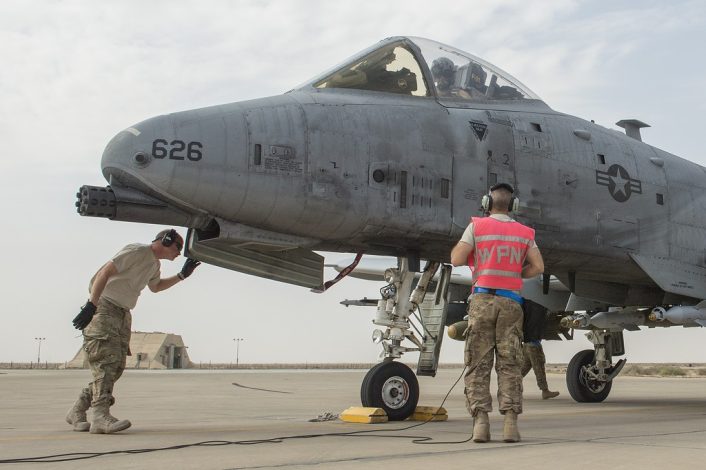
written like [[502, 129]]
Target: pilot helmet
[[443, 67]]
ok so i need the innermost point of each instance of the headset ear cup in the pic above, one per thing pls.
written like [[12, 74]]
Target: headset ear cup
[[169, 238], [514, 204], [486, 202]]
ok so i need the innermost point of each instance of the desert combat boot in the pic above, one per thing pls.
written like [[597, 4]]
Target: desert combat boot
[[547, 394], [481, 427], [104, 423], [510, 431], [77, 414]]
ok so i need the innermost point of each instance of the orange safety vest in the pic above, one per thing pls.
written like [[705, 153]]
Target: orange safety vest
[[499, 252]]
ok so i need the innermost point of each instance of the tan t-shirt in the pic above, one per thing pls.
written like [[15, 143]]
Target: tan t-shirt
[[137, 267]]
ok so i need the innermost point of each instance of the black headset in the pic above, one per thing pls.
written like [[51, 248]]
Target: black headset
[[487, 201], [169, 238]]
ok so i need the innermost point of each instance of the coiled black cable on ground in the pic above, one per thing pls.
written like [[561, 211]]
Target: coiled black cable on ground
[[74, 456]]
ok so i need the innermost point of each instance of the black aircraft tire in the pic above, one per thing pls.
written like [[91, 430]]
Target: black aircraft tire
[[393, 387], [577, 385], [364, 399]]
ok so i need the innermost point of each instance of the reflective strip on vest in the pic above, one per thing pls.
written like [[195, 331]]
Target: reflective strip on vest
[[499, 272], [499, 252], [504, 238]]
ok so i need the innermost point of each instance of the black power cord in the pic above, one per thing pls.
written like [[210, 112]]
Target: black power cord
[[275, 440]]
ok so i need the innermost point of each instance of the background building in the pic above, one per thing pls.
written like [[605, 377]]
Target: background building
[[154, 350]]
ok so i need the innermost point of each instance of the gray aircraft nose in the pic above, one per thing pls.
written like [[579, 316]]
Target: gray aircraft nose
[[141, 165], [195, 160], [129, 158], [122, 156], [207, 161]]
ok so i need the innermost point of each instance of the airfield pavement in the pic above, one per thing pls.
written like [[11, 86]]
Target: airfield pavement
[[644, 423]]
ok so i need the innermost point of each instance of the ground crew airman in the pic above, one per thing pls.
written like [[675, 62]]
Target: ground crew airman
[[535, 360], [501, 252], [106, 322], [535, 319]]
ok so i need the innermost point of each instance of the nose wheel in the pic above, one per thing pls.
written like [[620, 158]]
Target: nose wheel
[[393, 387]]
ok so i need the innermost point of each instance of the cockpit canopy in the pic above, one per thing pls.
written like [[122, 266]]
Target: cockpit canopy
[[421, 67]]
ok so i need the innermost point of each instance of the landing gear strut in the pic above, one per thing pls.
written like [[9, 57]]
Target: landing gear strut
[[590, 374], [392, 385]]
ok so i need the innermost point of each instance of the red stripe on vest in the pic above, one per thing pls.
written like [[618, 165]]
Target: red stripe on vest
[[498, 262]]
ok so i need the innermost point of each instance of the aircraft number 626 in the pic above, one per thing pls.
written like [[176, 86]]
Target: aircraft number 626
[[177, 150]]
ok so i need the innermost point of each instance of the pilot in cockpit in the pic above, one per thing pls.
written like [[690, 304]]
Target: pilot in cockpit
[[444, 72]]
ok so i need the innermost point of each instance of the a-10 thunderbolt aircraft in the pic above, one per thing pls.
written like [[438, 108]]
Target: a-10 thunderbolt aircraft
[[389, 153]]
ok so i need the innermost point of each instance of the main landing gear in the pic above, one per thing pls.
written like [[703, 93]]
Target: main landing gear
[[391, 385], [590, 374]]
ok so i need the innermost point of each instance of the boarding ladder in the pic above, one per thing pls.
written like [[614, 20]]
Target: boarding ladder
[[433, 317]]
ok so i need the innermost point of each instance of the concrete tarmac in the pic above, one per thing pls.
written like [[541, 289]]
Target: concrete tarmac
[[644, 423]]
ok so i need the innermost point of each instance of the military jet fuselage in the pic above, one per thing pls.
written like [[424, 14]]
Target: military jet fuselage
[[390, 153], [390, 166]]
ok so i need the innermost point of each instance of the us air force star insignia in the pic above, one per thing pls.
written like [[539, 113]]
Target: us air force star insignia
[[480, 129], [620, 185]]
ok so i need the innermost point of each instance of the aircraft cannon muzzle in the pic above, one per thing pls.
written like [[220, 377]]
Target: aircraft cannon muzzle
[[131, 205], [96, 201]]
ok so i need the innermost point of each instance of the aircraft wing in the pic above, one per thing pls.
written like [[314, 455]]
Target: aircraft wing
[[674, 276]]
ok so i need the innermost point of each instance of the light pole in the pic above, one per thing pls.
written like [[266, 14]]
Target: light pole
[[39, 349], [237, 350]]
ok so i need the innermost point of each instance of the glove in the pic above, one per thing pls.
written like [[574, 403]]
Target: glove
[[188, 268], [84, 316]]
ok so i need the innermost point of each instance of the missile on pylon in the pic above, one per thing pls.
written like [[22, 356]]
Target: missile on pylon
[[577, 320], [613, 319], [687, 315]]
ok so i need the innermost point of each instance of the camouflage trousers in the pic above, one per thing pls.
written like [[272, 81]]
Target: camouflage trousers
[[495, 332], [534, 359], [106, 341]]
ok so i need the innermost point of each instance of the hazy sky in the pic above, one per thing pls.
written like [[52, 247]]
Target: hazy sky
[[74, 73]]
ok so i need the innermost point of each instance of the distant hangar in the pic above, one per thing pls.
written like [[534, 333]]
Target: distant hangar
[[155, 350]]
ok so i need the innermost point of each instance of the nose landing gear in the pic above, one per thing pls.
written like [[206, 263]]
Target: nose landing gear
[[390, 385], [393, 387]]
